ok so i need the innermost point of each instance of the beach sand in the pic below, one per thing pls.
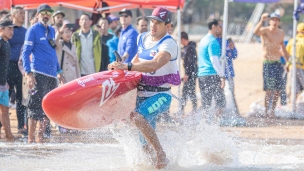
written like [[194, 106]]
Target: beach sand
[[248, 89]]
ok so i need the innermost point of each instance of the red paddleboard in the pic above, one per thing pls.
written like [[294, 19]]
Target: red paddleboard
[[93, 101]]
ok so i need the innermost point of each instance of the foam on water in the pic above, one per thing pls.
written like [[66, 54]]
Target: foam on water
[[187, 145], [190, 146]]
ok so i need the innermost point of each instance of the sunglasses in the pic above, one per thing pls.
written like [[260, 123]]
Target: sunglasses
[[126, 16], [46, 13], [98, 26]]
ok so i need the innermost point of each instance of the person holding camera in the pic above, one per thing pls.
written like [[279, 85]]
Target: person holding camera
[[41, 71], [67, 58]]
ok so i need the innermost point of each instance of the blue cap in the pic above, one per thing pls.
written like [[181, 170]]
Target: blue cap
[[44, 7]]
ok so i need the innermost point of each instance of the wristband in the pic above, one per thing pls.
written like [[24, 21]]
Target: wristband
[[129, 66]]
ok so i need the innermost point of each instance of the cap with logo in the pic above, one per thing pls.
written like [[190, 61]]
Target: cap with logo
[[58, 12], [113, 17], [6, 23], [44, 7], [125, 10], [161, 14], [275, 15]]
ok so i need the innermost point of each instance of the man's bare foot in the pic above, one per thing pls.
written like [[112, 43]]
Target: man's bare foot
[[161, 160], [149, 152], [39, 140], [10, 138]]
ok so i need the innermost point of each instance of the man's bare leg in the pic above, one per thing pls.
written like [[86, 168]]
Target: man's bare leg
[[274, 103], [218, 114], [41, 128], [267, 102], [4, 118], [150, 135], [31, 130]]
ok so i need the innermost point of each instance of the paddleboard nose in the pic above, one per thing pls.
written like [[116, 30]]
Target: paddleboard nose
[[92, 101]]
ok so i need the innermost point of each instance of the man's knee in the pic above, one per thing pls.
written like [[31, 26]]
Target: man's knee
[[136, 118]]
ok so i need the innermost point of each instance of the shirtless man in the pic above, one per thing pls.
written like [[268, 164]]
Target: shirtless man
[[273, 47]]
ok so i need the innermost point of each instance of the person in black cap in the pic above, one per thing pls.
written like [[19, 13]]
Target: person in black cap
[[156, 60], [58, 18], [6, 33], [41, 70], [127, 44]]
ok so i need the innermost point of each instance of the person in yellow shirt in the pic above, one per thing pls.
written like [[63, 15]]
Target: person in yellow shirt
[[299, 56]]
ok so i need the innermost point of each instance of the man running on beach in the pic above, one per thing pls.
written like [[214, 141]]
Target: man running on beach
[[156, 59], [273, 45]]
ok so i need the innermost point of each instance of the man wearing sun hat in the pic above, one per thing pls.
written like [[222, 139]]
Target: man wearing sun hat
[[58, 18], [299, 56], [156, 60], [41, 70], [6, 33], [272, 38]]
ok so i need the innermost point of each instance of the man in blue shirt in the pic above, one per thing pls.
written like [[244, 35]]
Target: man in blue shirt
[[14, 78], [210, 73], [127, 44], [41, 70]]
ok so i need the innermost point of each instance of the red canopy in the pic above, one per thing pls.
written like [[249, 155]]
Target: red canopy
[[91, 5]]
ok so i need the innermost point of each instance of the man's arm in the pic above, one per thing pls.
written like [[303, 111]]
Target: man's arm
[[131, 46], [135, 59], [214, 53], [158, 61], [259, 30], [29, 43], [285, 53]]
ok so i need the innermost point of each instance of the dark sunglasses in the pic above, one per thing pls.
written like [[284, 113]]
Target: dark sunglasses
[[98, 26], [126, 16]]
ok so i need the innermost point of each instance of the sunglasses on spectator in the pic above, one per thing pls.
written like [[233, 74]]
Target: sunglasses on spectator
[[126, 16], [46, 13], [98, 26]]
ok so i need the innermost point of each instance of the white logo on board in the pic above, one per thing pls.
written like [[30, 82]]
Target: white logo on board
[[108, 89], [82, 82]]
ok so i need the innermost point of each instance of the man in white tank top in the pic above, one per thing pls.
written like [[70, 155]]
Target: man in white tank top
[[156, 59]]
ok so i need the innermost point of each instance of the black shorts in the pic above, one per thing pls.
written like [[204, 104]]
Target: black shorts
[[210, 86], [273, 75], [44, 85]]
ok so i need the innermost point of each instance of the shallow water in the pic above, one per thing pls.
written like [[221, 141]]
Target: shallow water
[[189, 147]]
